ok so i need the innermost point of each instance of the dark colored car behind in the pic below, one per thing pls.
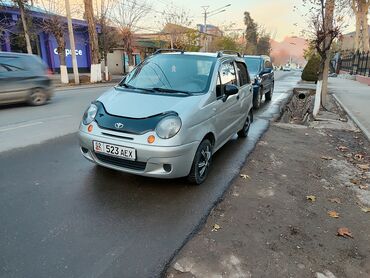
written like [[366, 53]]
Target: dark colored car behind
[[23, 78], [262, 73]]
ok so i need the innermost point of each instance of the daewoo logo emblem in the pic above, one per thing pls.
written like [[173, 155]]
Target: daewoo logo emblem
[[118, 125]]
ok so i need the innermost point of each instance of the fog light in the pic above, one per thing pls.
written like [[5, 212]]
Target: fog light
[[84, 150], [90, 128], [151, 139], [167, 167]]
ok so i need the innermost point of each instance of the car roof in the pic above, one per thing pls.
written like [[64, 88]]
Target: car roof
[[12, 54], [215, 55]]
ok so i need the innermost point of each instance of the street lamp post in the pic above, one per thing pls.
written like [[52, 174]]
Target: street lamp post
[[207, 14]]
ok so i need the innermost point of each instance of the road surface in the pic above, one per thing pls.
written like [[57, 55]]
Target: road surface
[[61, 216]]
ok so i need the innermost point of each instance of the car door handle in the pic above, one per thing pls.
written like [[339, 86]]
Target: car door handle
[[237, 97]]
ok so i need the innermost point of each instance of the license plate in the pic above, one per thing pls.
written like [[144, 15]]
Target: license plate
[[114, 150]]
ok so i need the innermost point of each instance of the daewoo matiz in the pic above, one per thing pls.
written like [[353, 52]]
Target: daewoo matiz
[[170, 115]]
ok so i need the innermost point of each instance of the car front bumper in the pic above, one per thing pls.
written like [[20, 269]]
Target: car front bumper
[[151, 160]]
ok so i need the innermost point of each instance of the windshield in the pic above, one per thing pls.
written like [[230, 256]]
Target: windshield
[[171, 73], [253, 64]]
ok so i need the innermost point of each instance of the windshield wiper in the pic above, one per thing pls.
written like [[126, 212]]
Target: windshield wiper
[[165, 90], [135, 88]]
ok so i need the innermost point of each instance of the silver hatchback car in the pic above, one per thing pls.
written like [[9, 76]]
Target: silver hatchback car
[[170, 115]]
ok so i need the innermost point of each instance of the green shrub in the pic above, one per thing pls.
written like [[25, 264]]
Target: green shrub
[[311, 70]]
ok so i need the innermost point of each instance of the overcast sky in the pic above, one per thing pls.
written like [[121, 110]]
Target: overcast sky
[[277, 16]]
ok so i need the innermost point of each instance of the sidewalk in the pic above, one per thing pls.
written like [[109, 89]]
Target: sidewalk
[[355, 99], [281, 217], [84, 80]]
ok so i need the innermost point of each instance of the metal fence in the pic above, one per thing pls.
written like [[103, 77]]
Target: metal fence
[[356, 63]]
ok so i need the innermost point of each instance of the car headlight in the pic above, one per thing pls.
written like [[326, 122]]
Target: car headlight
[[90, 114], [168, 127]]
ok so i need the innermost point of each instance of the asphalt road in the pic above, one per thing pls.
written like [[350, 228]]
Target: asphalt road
[[61, 216]]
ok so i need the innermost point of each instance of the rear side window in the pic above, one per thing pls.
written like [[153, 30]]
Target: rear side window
[[268, 64], [12, 63], [242, 73]]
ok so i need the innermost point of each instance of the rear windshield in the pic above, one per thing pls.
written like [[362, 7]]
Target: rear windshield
[[187, 73], [253, 64]]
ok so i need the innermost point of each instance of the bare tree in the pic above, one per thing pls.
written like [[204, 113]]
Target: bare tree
[[108, 37], [361, 11], [325, 23], [55, 25], [21, 5], [175, 16], [95, 70], [127, 15]]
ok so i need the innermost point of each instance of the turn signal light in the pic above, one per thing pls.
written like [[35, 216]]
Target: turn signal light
[[90, 128], [151, 139]]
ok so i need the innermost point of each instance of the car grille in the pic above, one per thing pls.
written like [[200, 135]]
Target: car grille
[[124, 163]]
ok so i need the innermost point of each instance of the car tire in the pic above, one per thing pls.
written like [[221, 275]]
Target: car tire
[[201, 163], [243, 133], [257, 100], [37, 97], [268, 96]]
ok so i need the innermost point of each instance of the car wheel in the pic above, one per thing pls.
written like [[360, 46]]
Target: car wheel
[[243, 133], [257, 100], [37, 97], [268, 96], [202, 163]]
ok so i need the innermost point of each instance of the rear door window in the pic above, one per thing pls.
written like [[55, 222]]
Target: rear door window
[[243, 74]]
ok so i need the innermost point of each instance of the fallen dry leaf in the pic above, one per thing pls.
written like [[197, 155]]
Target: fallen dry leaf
[[344, 232], [354, 181], [311, 198], [343, 148], [364, 209], [216, 227], [243, 176], [359, 156], [361, 186], [335, 200], [333, 214], [326, 157], [364, 167]]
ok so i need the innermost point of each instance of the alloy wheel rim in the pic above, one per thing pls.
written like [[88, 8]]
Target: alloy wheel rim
[[247, 123], [38, 97], [204, 161]]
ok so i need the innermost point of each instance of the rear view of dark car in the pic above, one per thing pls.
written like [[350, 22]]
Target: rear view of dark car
[[262, 73], [23, 78]]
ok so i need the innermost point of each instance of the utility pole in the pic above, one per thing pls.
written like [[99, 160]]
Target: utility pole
[[207, 14], [72, 43]]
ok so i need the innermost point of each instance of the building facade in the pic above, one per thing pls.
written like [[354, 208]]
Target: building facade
[[43, 44]]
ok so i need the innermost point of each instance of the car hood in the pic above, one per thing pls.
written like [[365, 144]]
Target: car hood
[[126, 103]]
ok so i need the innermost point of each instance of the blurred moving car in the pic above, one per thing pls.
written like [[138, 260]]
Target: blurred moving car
[[169, 115], [24, 78], [262, 74]]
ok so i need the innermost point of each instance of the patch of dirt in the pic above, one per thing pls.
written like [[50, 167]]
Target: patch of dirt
[[279, 221]]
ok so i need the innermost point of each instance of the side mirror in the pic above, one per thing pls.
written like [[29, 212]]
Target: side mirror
[[230, 90], [266, 70]]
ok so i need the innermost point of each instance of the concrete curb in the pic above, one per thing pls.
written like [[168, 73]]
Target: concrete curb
[[353, 118]]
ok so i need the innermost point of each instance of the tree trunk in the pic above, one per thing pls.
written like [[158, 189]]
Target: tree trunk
[[62, 58], [95, 72], [106, 66], [25, 27], [361, 9], [329, 17]]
